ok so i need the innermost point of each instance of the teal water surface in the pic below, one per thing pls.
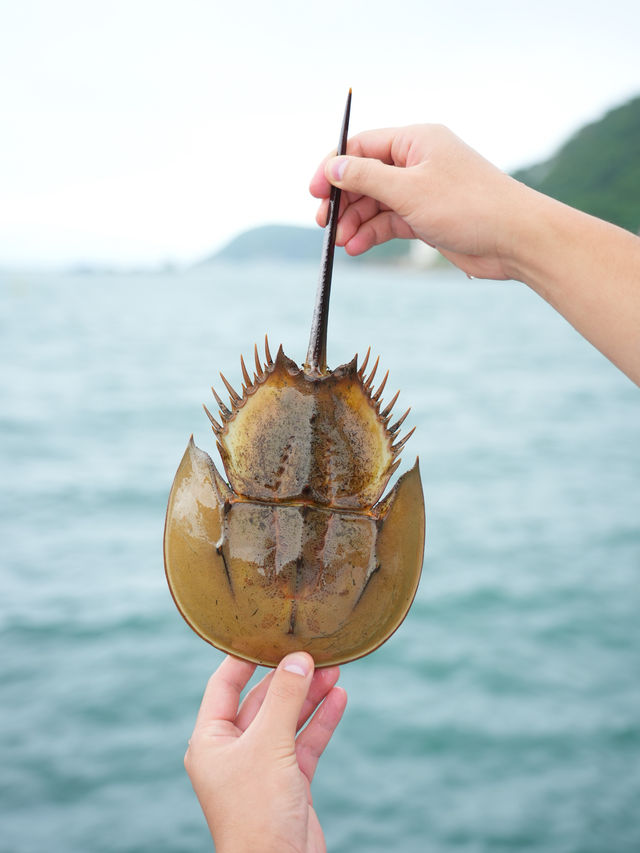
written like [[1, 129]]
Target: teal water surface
[[505, 713]]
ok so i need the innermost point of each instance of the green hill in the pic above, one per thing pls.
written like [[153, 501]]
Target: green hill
[[273, 242], [598, 169], [297, 244]]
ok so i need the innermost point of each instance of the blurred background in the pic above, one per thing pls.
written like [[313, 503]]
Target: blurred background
[[141, 141]]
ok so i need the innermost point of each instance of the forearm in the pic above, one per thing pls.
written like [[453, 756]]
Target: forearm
[[587, 269], [422, 181]]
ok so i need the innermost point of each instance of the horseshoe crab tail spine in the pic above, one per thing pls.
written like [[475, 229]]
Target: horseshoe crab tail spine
[[316, 361]]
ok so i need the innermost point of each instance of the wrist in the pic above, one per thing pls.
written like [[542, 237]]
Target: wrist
[[239, 839], [526, 229], [248, 843], [248, 834]]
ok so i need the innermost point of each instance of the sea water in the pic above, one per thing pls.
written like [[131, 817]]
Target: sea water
[[504, 715]]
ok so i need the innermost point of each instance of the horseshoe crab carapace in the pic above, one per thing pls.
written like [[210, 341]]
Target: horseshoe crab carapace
[[297, 550]]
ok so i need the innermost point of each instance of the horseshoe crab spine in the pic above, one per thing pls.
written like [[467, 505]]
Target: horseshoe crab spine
[[316, 362]]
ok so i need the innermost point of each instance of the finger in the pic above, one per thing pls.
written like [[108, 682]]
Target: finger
[[384, 144], [355, 214], [284, 699], [378, 144], [319, 186], [388, 145], [322, 213], [222, 694], [312, 742], [321, 683], [346, 200], [385, 226], [252, 702], [388, 184]]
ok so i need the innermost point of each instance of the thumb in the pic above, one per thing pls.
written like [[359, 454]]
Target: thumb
[[280, 710], [367, 176]]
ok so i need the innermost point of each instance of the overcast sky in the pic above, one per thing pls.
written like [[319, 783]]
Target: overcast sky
[[147, 131]]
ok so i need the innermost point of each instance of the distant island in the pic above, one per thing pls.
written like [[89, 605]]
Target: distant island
[[297, 244], [597, 170]]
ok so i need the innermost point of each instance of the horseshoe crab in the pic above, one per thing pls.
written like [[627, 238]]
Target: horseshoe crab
[[297, 551]]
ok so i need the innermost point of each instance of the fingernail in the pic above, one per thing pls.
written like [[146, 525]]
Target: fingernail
[[337, 167], [298, 664]]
